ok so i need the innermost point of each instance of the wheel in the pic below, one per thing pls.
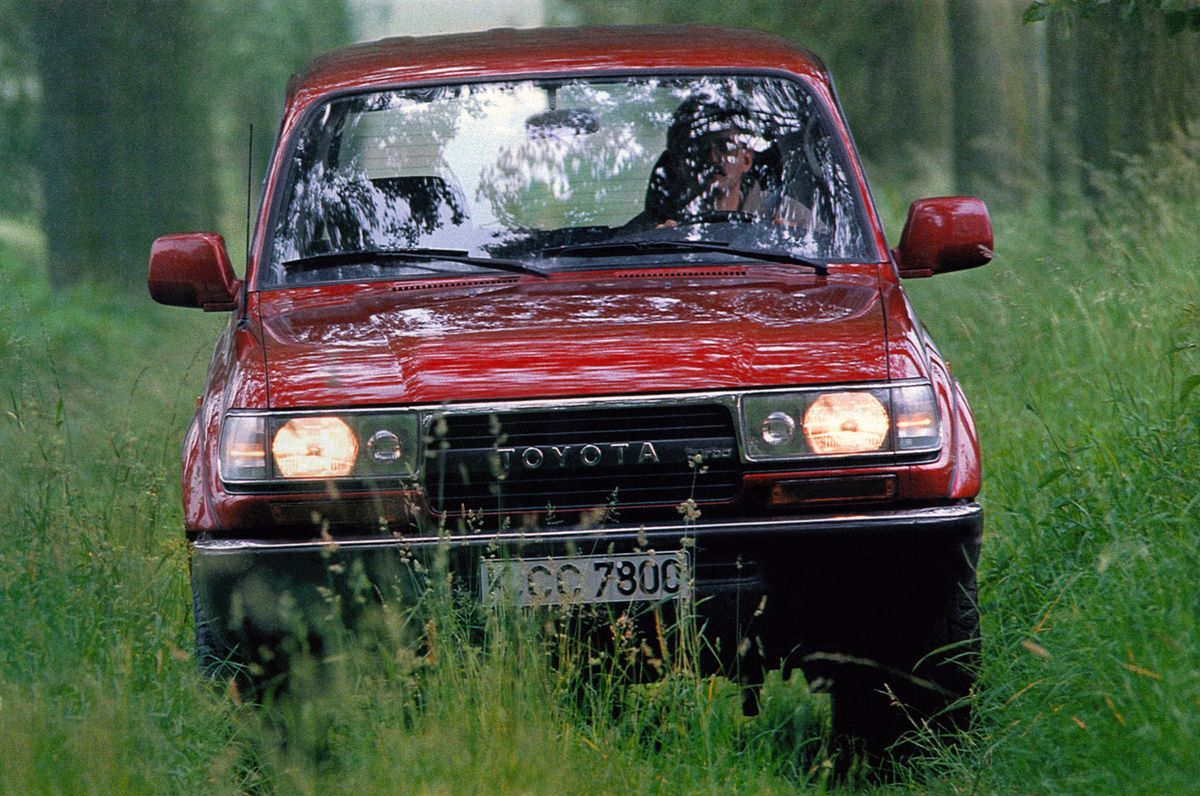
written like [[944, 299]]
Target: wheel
[[896, 688], [920, 666], [896, 646], [216, 659]]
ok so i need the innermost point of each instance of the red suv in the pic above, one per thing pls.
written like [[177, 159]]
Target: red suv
[[606, 320]]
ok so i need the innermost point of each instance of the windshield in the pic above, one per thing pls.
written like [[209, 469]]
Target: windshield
[[557, 172]]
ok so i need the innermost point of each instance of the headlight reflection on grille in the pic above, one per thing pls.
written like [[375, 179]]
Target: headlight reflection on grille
[[817, 423]]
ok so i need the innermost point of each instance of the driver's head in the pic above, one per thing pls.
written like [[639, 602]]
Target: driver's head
[[704, 113], [711, 134]]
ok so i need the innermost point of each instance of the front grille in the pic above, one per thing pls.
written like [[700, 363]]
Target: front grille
[[583, 459]]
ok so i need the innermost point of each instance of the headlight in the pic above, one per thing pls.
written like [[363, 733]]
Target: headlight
[[818, 423], [288, 446], [314, 447], [846, 422]]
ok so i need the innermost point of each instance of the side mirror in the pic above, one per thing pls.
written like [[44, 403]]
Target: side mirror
[[949, 233], [192, 270]]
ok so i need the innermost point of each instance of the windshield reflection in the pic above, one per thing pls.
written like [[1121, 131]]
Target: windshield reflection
[[513, 169]]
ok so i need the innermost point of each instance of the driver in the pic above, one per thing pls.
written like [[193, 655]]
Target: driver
[[707, 165], [716, 163]]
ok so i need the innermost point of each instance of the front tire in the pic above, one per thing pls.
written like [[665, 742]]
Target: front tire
[[915, 681], [891, 632], [216, 659]]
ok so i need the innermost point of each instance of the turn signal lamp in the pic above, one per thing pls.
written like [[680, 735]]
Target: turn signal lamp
[[916, 418], [243, 448], [314, 447]]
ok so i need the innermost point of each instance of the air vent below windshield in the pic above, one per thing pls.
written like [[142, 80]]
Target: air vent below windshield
[[676, 273], [441, 284]]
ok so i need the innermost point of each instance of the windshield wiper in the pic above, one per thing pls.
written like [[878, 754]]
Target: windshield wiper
[[333, 259], [618, 248]]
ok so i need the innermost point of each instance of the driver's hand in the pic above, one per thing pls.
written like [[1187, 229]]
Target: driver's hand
[[670, 223]]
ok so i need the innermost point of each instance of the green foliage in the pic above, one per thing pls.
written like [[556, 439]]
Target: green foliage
[[19, 194], [117, 113], [95, 693], [124, 141], [1081, 353], [897, 129], [1177, 15], [252, 48]]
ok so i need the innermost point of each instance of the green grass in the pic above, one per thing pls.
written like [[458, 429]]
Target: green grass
[[1077, 349]]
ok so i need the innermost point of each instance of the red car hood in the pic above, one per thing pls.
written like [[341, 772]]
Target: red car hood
[[504, 338]]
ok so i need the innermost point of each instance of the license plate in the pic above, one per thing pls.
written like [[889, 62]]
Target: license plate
[[640, 577]]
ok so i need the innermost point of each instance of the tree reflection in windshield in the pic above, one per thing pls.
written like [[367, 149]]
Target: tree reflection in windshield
[[510, 169]]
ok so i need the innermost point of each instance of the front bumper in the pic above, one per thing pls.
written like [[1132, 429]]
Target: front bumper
[[929, 520], [248, 586]]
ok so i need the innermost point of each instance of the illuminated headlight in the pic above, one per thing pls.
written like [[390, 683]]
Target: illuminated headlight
[[265, 447], [817, 423], [846, 422], [314, 447]]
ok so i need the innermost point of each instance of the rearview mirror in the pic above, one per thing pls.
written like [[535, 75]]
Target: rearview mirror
[[947, 233], [192, 270], [562, 123]]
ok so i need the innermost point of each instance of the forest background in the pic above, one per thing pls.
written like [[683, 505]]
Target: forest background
[[1075, 120]]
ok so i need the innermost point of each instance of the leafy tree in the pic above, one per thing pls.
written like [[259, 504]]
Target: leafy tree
[[1177, 16], [1124, 74], [900, 67], [125, 141], [889, 59], [19, 193], [256, 45], [995, 108], [140, 100]]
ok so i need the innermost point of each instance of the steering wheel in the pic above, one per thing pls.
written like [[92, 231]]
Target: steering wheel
[[719, 217]]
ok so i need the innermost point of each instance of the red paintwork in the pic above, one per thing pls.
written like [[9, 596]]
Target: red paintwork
[[968, 474], [948, 233], [471, 56], [907, 354], [572, 335], [193, 270], [603, 332]]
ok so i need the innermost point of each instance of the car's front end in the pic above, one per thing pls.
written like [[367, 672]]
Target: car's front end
[[589, 332]]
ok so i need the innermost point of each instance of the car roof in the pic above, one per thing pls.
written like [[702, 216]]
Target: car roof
[[565, 51]]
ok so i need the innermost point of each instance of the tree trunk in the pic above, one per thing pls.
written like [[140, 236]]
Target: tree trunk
[[1062, 136], [979, 143], [126, 149], [1135, 86]]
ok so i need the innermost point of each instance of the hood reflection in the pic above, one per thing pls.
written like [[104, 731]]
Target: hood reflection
[[570, 337]]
